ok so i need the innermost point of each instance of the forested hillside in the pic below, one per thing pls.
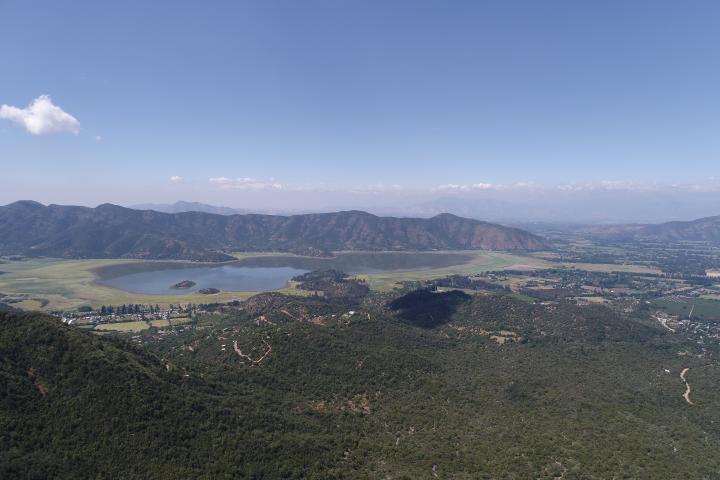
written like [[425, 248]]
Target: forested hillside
[[109, 231], [293, 387]]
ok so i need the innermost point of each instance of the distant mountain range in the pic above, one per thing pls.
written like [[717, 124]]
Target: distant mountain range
[[110, 231], [507, 207], [182, 206], [701, 230]]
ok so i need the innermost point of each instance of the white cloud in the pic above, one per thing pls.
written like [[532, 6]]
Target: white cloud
[[569, 187], [253, 184], [614, 185], [455, 187], [594, 186], [377, 188], [221, 180], [451, 186], [245, 183], [176, 179], [41, 117]]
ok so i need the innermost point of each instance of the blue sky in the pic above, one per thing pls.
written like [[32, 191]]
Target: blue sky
[[285, 99]]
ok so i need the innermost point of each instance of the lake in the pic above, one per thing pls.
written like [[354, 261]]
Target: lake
[[256, 274], [224, 277]]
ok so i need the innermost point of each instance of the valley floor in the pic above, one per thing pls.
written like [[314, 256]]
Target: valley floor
[[58, 284]]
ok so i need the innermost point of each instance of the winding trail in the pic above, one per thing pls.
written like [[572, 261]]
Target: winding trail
[[247, 357], [289, 314], [683, 377]]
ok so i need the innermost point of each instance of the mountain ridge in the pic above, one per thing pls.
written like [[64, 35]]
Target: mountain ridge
[[701, 229], [112, 231]]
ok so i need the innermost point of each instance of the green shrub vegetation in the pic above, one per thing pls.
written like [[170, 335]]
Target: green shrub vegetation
[[499, 388]]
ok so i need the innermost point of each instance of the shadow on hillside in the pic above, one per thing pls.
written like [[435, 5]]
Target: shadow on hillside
[[427, 309]]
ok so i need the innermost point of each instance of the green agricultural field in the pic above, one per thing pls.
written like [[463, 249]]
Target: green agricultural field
[[703, 309], [481, 261], [171, 322], [136, 326], [612, 267], [140, 325], [30, 304]]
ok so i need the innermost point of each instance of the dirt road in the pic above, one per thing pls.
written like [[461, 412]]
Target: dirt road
[[683, 377]]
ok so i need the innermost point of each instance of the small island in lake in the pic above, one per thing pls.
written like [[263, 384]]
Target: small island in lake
[[184, 284], [208, 291]]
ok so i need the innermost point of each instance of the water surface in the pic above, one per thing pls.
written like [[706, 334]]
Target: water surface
[[231, 277], [256, 274]]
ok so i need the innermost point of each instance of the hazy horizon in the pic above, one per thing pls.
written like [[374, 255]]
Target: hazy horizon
[[519, 204]]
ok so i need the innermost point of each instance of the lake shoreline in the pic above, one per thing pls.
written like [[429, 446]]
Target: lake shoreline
[[353, 263]]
